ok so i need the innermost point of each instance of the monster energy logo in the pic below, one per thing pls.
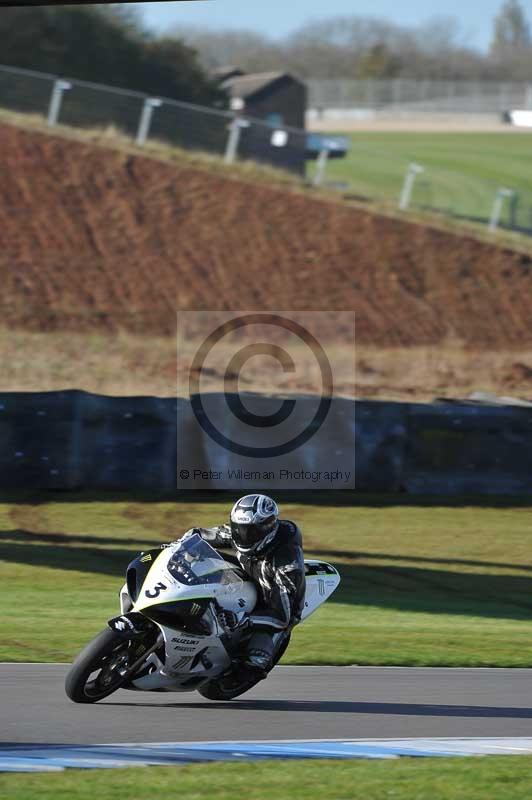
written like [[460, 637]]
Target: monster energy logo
[[195, 608]]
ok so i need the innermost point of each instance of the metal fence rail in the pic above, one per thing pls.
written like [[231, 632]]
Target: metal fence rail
[[372, 173], [83, 104], [469, 199], [375, 173], [402, 95]]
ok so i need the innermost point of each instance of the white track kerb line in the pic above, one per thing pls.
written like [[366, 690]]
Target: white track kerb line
[[53, 758]]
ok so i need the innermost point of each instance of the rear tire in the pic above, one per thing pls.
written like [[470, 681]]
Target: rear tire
[[97, 657], [214, 690]]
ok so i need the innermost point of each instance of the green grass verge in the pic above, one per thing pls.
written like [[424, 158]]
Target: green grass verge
[[506, 778], [421, 585], [462, 170]]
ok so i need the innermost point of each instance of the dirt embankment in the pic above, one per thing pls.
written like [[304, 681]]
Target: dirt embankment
[[94, 238]]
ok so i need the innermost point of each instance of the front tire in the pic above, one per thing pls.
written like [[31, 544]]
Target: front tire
[[95, 673]]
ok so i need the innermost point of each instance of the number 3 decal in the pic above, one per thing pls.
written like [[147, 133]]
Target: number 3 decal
[[156, 591]]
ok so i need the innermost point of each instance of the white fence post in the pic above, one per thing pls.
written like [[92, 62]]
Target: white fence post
[[56, 99], [406, 194], [233, 140], [496, 212], [145, 119], [321, 167]]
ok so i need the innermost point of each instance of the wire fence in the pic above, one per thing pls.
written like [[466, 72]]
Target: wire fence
[[368, 174], [82, 104], [471, 200], [402, 95], [375, 174]]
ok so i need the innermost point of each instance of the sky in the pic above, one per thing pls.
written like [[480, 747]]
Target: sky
[[276, 18]]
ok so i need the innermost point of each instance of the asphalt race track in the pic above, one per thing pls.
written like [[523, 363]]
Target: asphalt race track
[[293, 703]]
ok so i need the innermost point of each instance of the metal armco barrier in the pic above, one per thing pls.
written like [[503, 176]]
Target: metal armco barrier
[[77, 440]]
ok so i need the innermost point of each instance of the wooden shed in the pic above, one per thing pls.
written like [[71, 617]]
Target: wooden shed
[[276, 97]]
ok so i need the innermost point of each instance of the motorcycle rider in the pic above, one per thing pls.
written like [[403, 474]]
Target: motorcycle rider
[[270, 551]]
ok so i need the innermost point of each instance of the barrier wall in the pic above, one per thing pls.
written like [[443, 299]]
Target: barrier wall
[[73, 439], [466, 448]]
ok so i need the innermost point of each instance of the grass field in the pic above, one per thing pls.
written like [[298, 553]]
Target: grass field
[[125, 364], [423, 585], [504, 778], [462, 170]]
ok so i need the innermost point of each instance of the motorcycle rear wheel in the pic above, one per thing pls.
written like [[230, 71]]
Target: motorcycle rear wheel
[[215, 690], [99, 660]]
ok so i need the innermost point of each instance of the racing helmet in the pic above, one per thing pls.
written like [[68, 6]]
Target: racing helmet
[[254, 521]]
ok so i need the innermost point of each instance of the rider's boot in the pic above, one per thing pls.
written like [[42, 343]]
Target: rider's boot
[[259, 654]]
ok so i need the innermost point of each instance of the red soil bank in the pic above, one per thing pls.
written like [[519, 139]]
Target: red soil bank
[[96, 238]]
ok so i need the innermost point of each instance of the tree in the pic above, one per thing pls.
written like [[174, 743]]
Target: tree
[[511, 48], [173, 64], [348, 47], [103, 45], [511, 31], [248, 50]]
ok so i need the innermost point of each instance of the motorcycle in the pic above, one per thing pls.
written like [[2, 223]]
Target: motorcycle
[[184, 626]]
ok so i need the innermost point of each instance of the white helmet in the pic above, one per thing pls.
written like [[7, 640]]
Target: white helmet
[[254, 522]]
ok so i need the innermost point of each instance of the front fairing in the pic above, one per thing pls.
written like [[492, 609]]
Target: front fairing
[[181, 588], [189, 575]]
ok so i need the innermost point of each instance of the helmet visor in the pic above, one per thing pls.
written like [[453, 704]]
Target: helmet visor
[[247, 536]]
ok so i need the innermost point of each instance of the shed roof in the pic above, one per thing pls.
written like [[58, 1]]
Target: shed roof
[[245, 86], [226, 72]]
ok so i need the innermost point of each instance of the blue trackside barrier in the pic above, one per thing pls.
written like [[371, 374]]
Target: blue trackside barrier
[[460, 448], [41, 440], [128, 442], [76, 440]]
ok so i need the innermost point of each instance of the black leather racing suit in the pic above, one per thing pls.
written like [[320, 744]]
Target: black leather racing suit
[[278, 572]]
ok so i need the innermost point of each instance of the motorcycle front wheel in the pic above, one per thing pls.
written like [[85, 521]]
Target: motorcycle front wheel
[[99, 669]]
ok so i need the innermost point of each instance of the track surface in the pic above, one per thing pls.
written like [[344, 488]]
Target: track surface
[[294, 703]]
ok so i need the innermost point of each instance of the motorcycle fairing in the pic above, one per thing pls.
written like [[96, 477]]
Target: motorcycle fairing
[[321, 581], [195, 655], [160, 584], [138, 570], [189, 580]]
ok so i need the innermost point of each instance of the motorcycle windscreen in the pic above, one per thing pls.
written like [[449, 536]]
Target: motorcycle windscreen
[[196, 563]]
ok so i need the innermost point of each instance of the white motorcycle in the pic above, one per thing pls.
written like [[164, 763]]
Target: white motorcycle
[[184, 626]]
